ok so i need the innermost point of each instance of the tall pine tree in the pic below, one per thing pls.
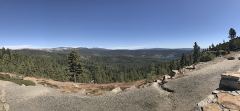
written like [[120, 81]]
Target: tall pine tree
[[196, 53], [74, 66], [183, 61], [232, 33]]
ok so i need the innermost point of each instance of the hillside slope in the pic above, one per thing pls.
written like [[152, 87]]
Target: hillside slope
[[188, 91], [154, 53]]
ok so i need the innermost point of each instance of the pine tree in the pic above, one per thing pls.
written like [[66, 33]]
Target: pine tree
[[171, 68], [183, 61], [152, 72], [213, 47], [3, 51], [8, 52], [218, 53], [79, 73], [74, 67], [99, 74], [230, 45], [232, 33], [196, 53]]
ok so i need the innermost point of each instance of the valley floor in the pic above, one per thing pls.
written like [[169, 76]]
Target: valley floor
[[188, 91]]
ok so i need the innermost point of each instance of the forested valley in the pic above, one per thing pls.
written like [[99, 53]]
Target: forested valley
[[105, 66], [102, 69]]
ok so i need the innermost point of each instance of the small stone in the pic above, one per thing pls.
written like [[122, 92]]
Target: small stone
[[226, 109], [234, 93], [155, 84], [116, 90], [75, 85], [159, 81], [215, 92], [214, 100], [210, 98], [238, 91]]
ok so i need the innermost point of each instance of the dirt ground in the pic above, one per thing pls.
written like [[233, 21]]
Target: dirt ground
[[191, 89]]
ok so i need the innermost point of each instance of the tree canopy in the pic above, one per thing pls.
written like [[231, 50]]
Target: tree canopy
[[232, 33]]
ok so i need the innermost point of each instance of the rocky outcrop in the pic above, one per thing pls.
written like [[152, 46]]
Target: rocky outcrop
[[210, 99], [221, 101], [230, 81], [225, 99], [212, 107], [165, 79], [229, 100]]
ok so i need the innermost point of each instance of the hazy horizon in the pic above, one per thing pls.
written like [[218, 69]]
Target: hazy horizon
[[29, 47]]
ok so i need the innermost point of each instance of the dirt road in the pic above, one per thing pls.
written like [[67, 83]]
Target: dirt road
[[193, 88]]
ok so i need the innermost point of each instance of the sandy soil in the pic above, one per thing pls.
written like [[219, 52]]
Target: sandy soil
[[30, 98]]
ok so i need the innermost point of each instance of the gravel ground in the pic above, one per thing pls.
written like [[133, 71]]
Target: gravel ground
[[44, 99], [189, 90]]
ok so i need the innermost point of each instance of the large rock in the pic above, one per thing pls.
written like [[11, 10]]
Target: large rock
[[230, 80], [212, 107], [176, 72], [221, 101], [206, 101], [165, 79], [191, 67], [229, 101]]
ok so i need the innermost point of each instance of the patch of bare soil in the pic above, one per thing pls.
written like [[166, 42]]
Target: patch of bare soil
[[87, 88]]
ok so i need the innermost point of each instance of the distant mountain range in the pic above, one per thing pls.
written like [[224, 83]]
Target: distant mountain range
[[159, 53]]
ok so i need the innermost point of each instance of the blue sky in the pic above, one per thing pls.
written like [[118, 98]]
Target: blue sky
[[114, 24]]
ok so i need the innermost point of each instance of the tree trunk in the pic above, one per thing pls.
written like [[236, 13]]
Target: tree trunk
[[75, 79]]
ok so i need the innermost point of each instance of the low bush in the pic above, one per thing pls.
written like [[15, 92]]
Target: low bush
[[4, 77], [25, 82], [207, 56], [231, 58]]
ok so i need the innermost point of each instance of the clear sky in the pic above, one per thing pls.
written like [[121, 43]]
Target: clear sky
[[114, 24]]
